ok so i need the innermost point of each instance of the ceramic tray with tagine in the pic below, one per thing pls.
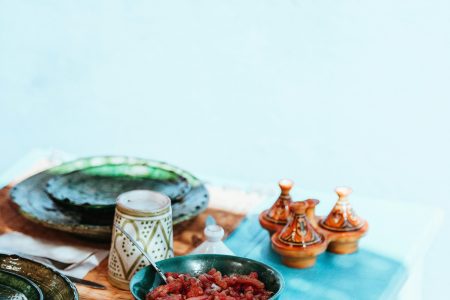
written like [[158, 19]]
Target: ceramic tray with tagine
[[31, 280], [38, 206], [305, 235]]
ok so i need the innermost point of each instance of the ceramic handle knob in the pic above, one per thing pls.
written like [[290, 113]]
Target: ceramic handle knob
[[285, 185], [214, 233], [343, 191], [298, 207]]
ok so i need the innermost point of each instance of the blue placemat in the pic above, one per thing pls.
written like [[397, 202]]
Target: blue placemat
[[362, 275]]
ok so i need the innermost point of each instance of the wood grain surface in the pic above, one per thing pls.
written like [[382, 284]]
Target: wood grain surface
[[186, 237]]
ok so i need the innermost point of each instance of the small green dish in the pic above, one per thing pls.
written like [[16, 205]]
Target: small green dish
[[145, 280], [93, 191], [17, 287], [53, 285]]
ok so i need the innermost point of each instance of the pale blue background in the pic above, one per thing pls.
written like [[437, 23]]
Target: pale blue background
[[326, 92]]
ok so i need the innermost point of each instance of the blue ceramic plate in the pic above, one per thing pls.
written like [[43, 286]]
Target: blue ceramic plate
[[145, 280]]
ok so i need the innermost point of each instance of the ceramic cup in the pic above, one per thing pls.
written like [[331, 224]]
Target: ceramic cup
[[147, 217]]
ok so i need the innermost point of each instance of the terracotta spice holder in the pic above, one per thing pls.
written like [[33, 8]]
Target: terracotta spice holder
[[299, 236], [275, 218]]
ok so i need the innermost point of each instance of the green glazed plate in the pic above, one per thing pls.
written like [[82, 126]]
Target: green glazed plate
[[16, 287], [52, 284], [97, 188], [36, 205], [146, 279]]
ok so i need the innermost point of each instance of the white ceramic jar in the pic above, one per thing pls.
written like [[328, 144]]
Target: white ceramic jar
[[213, 244]]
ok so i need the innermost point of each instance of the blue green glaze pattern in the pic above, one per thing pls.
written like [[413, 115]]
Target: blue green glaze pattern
[[36, 205], [8, 293], [98, 187], [16, 287], [54, 285]]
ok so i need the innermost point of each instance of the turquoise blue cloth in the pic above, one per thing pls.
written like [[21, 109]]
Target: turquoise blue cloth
[[362, 275]]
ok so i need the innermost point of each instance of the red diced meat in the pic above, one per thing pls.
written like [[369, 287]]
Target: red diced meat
[[210, 286]]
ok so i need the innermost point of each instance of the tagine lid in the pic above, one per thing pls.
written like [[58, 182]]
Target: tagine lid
[[279, 212], [299, 232], [342, 217]]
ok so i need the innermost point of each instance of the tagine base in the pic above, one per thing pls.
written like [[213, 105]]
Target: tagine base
[[343, 242], [296, 256], [271, 227], [299, 262], [338, 247]]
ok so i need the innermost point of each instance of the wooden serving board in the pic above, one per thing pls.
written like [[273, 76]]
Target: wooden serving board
[[186, 237]]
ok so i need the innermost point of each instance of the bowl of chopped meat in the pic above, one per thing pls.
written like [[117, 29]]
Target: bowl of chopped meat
[[208, 277]]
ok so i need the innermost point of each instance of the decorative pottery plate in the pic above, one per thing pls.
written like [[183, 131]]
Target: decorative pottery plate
[[97, 188], [146, 279], [16, 287], [52, 284], [36, 205]]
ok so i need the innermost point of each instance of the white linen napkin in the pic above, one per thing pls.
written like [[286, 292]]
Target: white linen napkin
[[84, 258]]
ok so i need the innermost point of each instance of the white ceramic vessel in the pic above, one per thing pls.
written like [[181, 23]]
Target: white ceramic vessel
[[213, 244], [147, 217]]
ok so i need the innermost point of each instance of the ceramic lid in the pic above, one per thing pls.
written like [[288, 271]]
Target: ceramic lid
[[342, 217], [279, 212], [143, 203], [214, 233], [299, 231], [213, 244]]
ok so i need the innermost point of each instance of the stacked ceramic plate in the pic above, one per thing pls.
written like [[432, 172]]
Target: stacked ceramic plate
[[23, 279], [79, 196]]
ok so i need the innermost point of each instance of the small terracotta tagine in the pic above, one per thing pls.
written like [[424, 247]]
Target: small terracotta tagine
[[276, 217], [298, 242], [311, 211], [344, 228]]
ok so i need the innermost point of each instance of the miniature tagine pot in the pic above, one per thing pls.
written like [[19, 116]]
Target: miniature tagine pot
[[299, 242], [275, 218], [344, 228]]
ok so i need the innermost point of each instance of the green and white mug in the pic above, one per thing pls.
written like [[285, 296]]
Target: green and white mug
[[147, 217]]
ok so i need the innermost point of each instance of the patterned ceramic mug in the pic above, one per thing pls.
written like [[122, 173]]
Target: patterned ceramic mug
[[147, 217]]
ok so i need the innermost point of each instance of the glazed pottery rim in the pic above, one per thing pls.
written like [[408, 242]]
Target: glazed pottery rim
[[80, 228], [30, 282], [137, 160], [69, 283], [164, 205], [277, 273], [142, 162]]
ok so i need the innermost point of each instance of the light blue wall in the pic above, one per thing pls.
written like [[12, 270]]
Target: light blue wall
[[325, 92]]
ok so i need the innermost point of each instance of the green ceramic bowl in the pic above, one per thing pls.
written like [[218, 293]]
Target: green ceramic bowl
[[54, 285], [97, 188], [145, 280], [16, 287]]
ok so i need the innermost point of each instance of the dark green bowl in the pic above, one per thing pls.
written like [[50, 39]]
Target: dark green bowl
[[145, 280], [14, 286], [54, 285]]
